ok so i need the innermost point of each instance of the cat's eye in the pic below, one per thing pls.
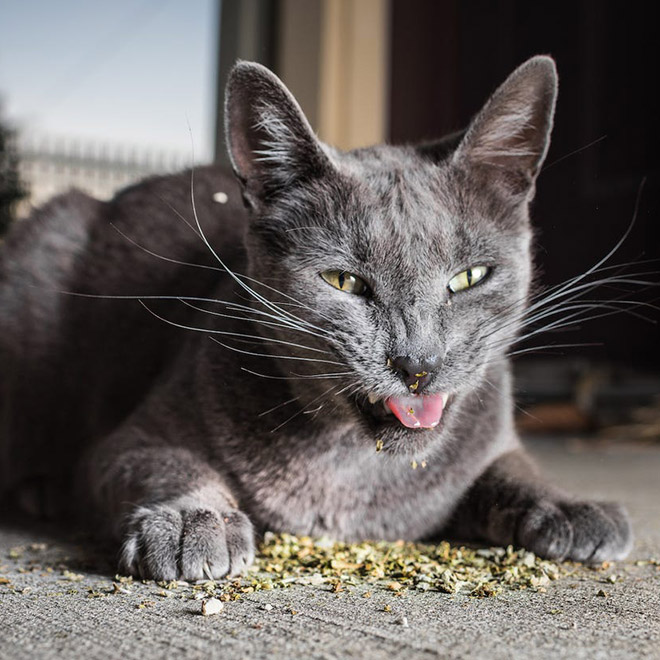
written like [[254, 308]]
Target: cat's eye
[[467, 278], [345, 281]]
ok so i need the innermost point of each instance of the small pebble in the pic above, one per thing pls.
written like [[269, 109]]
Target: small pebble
[[221, 197], [212, 606], [268, 607]]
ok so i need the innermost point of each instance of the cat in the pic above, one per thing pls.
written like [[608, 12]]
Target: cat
[[316, 344]]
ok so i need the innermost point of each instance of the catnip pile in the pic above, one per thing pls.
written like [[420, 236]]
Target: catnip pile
[[363, 570], [398, 566]]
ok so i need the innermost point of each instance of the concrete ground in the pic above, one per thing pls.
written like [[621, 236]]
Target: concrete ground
[[56, 602]]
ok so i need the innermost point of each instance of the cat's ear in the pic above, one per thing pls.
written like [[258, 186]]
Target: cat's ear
[[511, 134], [270, 142]]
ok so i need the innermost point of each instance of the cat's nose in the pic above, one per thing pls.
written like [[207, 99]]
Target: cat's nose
[[416, 373]]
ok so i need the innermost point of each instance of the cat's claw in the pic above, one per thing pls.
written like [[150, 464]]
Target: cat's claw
[[167, 542], [580, 531]]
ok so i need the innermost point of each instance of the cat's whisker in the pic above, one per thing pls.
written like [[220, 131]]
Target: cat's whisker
[[240, 335], [281, 323], [563, 322], [541, 298], [580, 310], [101, 296], [587, 287], [542, 305], [337, 374], [278, 406], [616, 306], [619, 243], [592, 304], [250, 309], [312, 412], [268, 355], [162, 257], [353, 387], [294, 301], [260, 322], [353, 384], [533, 349], [574, 152], [542, 309], [179, 215], [320, 376], [299, 412], [515, 405]]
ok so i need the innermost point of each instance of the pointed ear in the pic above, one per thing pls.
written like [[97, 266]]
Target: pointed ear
[[512, 131], [271, 144]]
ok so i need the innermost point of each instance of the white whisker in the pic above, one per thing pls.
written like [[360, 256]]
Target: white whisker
[[320, 376], [266, 323], [300, 412], [268, 355], [279, 405], [226, 333]]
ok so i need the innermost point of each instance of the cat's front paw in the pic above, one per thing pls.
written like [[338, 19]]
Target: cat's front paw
[[172, 541], [581, 531]]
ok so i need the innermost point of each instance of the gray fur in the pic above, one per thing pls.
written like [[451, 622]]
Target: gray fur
[[183, 447]]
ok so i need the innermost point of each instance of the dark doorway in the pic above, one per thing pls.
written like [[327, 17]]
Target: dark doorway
[[448, 56]]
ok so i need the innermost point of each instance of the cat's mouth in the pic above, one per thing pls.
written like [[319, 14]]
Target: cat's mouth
[[414, 411]]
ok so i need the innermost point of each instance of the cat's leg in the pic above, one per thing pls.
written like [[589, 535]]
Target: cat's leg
[[511, 504], [173, 513]]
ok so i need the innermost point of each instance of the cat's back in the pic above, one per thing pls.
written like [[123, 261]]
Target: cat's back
[[61, 354], [78, 244]]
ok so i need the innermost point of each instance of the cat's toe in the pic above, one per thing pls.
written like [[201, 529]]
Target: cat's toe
[[151, 543], [215, 544], [203, 545], [601, 531], [545, 530], [240, 541]]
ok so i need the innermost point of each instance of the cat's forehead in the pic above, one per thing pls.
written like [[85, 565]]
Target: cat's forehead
[[403, 201], [392, 170]]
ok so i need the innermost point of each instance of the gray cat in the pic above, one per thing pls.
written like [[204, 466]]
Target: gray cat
[[323, 354]]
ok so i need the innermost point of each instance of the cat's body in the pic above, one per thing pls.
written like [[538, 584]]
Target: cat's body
[[179, 444]]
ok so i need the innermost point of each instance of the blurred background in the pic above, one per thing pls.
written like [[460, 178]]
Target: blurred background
[[97, 95]]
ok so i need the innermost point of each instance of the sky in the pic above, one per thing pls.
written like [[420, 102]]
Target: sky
[[131, 72]]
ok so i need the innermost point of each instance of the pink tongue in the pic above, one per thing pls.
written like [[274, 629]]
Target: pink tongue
[[417, 410]]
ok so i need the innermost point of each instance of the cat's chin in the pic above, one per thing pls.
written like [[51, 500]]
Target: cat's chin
[[391, 434]]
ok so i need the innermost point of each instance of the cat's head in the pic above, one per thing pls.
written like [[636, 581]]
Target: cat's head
[[403, 270]]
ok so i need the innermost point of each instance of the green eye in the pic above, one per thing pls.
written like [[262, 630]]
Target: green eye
[[468, 278], [344, 281]]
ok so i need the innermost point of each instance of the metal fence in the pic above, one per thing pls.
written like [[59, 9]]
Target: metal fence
[[51, 165]]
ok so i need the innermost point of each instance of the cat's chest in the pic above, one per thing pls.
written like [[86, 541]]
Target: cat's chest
[[352, 497]]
